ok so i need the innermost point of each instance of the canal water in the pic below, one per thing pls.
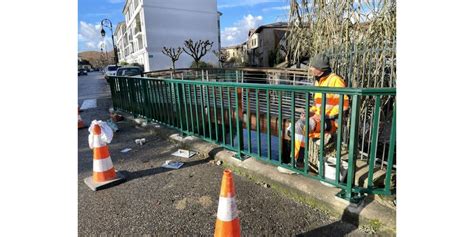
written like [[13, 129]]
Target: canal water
[[274, 143]]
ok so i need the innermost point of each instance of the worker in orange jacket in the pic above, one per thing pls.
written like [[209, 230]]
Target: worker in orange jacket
[[319, 68]]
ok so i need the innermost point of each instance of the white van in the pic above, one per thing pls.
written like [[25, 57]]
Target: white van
[[110, 70]]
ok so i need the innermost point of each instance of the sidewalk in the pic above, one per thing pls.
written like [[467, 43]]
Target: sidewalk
[[164, 202]]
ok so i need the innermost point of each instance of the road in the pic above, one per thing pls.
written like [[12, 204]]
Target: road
[[162, 202], [92, 86]]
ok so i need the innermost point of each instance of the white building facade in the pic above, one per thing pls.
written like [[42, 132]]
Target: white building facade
[[152, 24]]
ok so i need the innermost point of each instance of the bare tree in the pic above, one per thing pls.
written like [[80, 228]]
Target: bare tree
[[222, 55], [173, 53], [197, 49]]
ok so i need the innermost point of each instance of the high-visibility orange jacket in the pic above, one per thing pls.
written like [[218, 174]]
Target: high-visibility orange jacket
[[332, 100]]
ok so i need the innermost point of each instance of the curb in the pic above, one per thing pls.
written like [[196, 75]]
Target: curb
[[370, 215]]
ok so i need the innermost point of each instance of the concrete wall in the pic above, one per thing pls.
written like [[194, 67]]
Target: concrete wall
[[170, 23]]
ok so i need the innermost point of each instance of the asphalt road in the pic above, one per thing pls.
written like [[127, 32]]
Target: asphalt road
[[92, 86], [183, 202]]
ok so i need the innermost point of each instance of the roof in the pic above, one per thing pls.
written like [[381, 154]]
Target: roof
[[281, 25], [117, 27], [235, 46], [272, 25]]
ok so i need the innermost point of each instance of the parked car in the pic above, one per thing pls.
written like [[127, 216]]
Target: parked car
[[130, 71], [81, 72], [110, 70]]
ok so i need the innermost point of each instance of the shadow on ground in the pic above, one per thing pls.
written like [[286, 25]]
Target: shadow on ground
[[348, 217]]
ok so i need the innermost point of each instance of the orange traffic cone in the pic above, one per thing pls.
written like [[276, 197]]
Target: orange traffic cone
[[103, 170], [80, 123], [227, 223]]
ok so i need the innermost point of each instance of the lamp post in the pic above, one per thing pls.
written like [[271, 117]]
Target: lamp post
[[107, 23]]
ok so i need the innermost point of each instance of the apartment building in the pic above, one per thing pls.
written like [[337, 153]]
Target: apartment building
[[237, 53], [264, 42], [151, 24]]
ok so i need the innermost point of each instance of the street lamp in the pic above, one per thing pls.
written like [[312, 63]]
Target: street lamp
[[107, 23]]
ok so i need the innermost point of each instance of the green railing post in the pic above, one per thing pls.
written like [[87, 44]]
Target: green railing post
[[191, 110], [280, 125], [146, 103], [180, 111], [208, 106], [339, 136], [196, 110], [269, 137], [292, 129], [248, 124], [373, 143], [353, 141], [203, 118], [238, 126], [222, 114], [322, 128], [229, 105], [257, 115], [306, 135], [391, 151], [214, 103], [185, 105]]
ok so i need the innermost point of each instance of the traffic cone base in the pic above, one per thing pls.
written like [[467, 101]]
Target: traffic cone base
[[95, 186]]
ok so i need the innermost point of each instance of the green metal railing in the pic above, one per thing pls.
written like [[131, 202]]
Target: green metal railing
[[218, 112]]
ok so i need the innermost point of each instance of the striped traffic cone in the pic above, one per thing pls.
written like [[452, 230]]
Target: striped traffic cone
[[103, 174], [227, 223], [80, 123]]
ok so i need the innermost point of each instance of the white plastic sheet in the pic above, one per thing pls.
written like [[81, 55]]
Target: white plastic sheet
[[105, 136]]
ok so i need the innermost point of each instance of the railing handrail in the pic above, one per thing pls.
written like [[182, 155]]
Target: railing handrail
[[279, 87], [300, 71]]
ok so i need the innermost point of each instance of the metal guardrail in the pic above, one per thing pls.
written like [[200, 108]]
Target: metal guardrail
[[218, 111]]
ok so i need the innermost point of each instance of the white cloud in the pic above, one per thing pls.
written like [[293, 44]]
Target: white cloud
[[89, 36], [286, 8], [241, 3], [239, 31]]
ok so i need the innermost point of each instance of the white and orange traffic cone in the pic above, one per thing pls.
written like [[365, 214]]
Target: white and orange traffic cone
[[227, 223], [103, 173], [80, 123]]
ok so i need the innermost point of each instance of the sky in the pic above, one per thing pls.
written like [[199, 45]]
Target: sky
[[238, 16]]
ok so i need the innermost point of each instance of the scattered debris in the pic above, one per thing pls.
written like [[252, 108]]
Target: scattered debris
[[126, 150], [140, 141], [172, 164], [116, 117], [88, 104], [265, 185], [184, 153], [285, 170], [112, 125], [219, 162]]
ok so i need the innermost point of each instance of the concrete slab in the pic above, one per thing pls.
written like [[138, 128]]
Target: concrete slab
[[103, 185]]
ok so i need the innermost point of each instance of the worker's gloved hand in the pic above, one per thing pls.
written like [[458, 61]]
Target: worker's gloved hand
[[316, 118]]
